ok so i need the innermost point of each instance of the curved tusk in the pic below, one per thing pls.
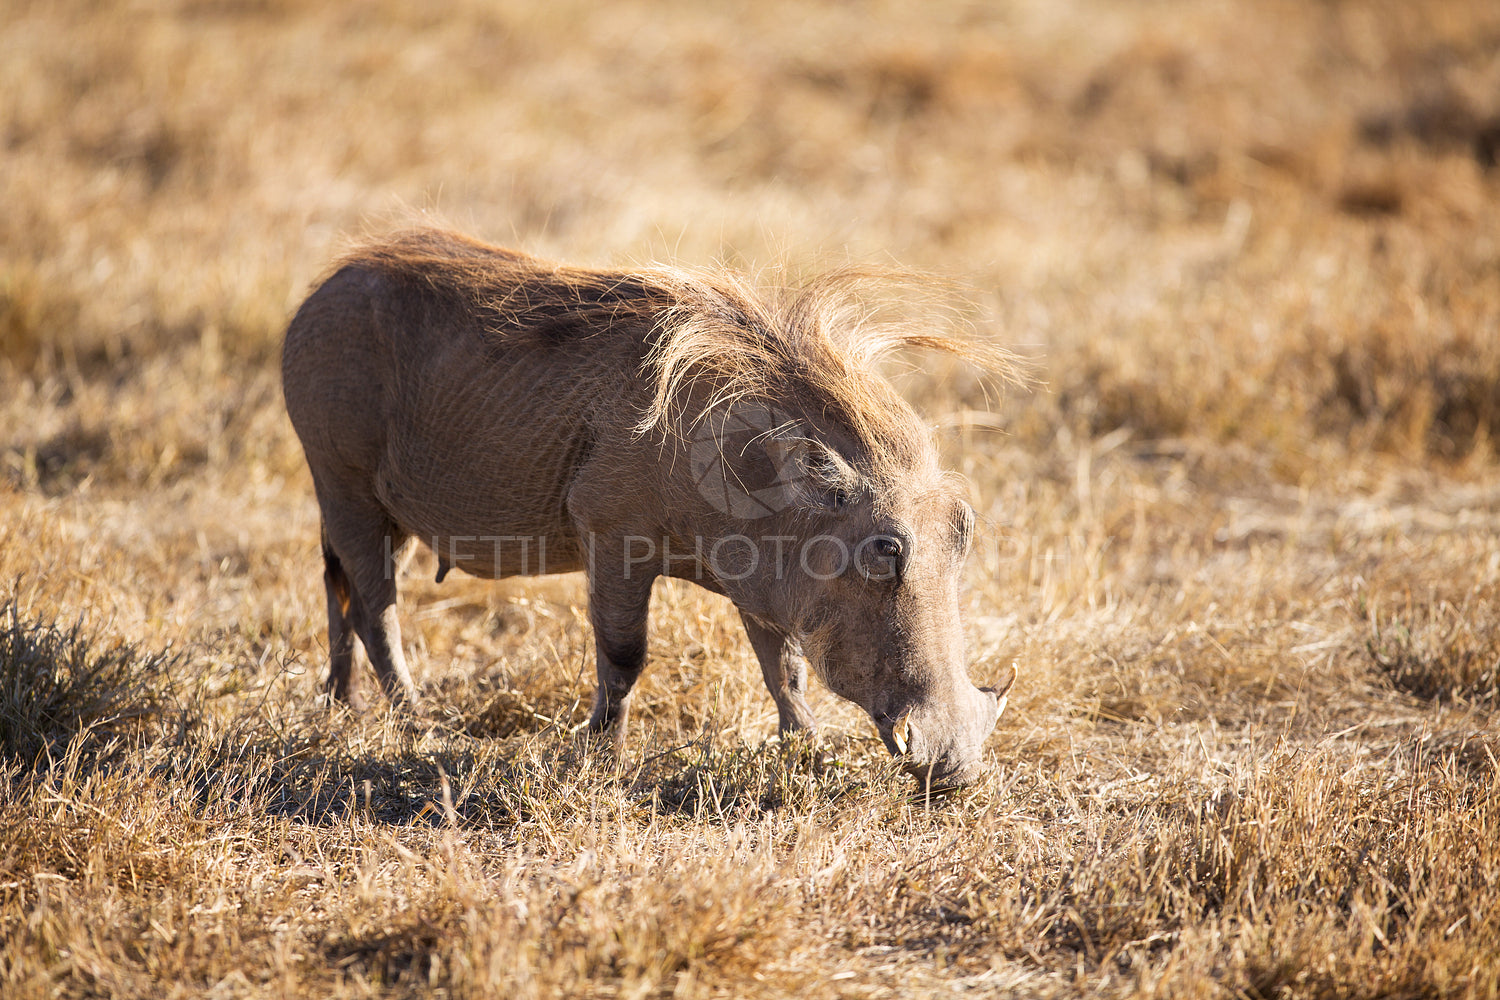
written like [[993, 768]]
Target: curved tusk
[[901, 731]]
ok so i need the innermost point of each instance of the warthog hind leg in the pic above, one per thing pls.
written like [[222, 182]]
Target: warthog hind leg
[[342, 684], [360, 558]]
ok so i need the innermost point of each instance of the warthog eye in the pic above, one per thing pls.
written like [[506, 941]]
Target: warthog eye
[[882, 557], [835, 485]]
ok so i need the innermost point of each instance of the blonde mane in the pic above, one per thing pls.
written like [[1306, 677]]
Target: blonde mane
[[826, 338]]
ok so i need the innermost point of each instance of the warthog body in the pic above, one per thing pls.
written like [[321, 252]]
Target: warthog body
[[521, 417]]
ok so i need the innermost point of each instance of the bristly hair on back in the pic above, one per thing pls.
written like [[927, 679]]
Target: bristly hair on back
[[713, 333], [514, 293], [828, 335]]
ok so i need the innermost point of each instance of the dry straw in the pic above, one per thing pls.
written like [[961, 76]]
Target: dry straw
[[1242, 534]]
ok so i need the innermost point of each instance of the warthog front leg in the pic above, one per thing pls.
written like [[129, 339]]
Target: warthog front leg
[[618, 607], [785, 671]]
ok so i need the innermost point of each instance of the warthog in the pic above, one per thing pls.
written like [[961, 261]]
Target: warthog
[[522, 417]]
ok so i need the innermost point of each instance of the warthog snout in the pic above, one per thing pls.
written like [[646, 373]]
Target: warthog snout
[[940, 745]]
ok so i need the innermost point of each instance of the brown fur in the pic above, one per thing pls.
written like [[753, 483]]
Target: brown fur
[[453, 391]]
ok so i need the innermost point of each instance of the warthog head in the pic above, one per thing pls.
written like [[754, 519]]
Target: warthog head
[[851, 541], [875, 603]]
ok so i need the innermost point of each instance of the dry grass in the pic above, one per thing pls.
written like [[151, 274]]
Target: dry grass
[[1244, 537]]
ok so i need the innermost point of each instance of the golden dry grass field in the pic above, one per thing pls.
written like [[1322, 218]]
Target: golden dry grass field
[[1242, 533]]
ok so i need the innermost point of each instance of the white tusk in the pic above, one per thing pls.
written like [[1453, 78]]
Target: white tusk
[[899, 731]]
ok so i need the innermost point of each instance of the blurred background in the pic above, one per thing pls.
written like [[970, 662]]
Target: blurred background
[[1259, 222]]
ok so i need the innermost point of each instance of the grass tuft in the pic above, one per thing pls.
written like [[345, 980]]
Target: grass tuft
[[1449, 653], [63, 686]]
